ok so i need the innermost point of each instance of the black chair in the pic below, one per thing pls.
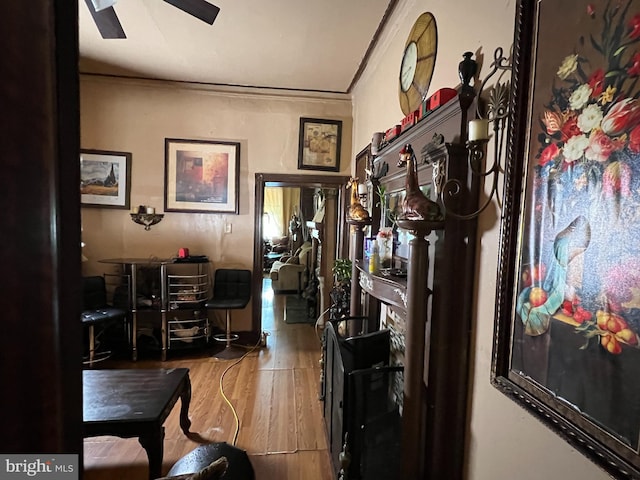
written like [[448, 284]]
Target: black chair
[[96, 312], [231, 291]]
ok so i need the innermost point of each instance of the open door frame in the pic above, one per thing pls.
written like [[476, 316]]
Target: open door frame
[[284, 180]]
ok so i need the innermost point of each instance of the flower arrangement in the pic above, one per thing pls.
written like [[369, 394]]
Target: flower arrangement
[[593, 118], [586, 189]]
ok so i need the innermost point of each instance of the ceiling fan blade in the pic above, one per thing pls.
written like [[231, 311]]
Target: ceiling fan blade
[[201, 9], [107, 21]]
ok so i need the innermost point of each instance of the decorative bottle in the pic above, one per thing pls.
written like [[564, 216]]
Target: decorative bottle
[[374, 259]]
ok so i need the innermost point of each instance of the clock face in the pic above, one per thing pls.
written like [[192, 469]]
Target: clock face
[[408, 68], [418, 62]]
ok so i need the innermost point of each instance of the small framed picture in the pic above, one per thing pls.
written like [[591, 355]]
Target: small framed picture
[[319, 144], [201, 176], [105, 179]]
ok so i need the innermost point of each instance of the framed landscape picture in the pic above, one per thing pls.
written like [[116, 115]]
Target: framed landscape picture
[[319, 144], [105, 179], [567, 344], [201, 176]]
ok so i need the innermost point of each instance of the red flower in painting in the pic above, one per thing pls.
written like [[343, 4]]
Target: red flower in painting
[[601, 146], [549, 154], [634, 25], [634, 140], [623, 117], [596, 82], [570, 128], [634, 69], [591, 11]]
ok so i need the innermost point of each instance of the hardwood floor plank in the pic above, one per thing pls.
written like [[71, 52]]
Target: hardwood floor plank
[[254, 434], [311, 465], [282, 427], [309, 423]]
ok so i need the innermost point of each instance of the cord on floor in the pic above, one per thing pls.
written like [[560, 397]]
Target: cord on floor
[[228, 402]]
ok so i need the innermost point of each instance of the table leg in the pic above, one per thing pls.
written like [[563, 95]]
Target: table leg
[[153, 443], [164, 306], [134, 312], [185, 400]]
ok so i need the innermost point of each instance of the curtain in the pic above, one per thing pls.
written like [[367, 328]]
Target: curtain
[[279, 204]]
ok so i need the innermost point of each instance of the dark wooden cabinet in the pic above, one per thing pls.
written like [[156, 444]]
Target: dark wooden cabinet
[[432, 296]]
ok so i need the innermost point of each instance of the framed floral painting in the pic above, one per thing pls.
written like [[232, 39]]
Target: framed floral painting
[[567, 344]]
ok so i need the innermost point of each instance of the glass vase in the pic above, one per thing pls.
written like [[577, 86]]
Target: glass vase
[[384, 239]]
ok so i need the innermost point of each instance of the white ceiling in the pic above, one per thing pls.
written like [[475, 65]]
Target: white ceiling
[[285, 44]]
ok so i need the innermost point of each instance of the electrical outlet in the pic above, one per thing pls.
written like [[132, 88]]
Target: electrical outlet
[[227, 228]]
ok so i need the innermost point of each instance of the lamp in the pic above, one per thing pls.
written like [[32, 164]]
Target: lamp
[[479, 134]]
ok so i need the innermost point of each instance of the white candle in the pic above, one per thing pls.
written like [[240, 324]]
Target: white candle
[[362, 189], [151, 210], [478, 129]]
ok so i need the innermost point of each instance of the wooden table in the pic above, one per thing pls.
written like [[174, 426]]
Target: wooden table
[[135, 403]]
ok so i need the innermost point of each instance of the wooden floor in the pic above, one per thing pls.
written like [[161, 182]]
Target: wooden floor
[[274, 391]]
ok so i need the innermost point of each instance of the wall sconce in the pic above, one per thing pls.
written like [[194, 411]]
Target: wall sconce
[[146, 216], [479, 135]]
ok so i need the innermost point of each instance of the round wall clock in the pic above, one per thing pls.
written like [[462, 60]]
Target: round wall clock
[[418, 61]]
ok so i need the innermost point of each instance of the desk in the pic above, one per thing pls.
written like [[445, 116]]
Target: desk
[[135, 403]]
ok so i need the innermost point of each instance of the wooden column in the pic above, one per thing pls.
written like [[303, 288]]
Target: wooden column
[[417, 297], [357, 250]]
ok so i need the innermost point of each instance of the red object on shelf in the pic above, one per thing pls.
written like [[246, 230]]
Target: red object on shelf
[[409, 121], [441, 97], [392, 133]]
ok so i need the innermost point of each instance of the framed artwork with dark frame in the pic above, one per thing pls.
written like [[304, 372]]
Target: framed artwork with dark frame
[[105, 179], [319, 144], [201, 176], [567, 324]]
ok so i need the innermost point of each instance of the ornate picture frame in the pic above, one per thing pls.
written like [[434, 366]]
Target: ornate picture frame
[[105, 179], [201, 176], [319, 144], [566, 345]]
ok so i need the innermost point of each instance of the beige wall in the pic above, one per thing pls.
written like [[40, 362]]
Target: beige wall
[[506, 442], [137, 116]]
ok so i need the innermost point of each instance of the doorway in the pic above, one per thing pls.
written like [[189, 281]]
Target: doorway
[[335, 207]]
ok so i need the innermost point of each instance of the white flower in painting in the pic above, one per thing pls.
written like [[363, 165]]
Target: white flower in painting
[[590, 118], [580, 96], [569, 65], [574, 148]]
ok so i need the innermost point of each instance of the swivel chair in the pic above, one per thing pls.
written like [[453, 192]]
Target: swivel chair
[[231, 291]]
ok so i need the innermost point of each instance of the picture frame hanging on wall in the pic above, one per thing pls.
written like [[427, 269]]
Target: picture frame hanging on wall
[[105, 179], [567, 326], [201, 176], [319, 144]]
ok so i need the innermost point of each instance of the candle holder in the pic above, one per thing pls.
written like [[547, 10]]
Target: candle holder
[[496, 117], [147, 219]]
